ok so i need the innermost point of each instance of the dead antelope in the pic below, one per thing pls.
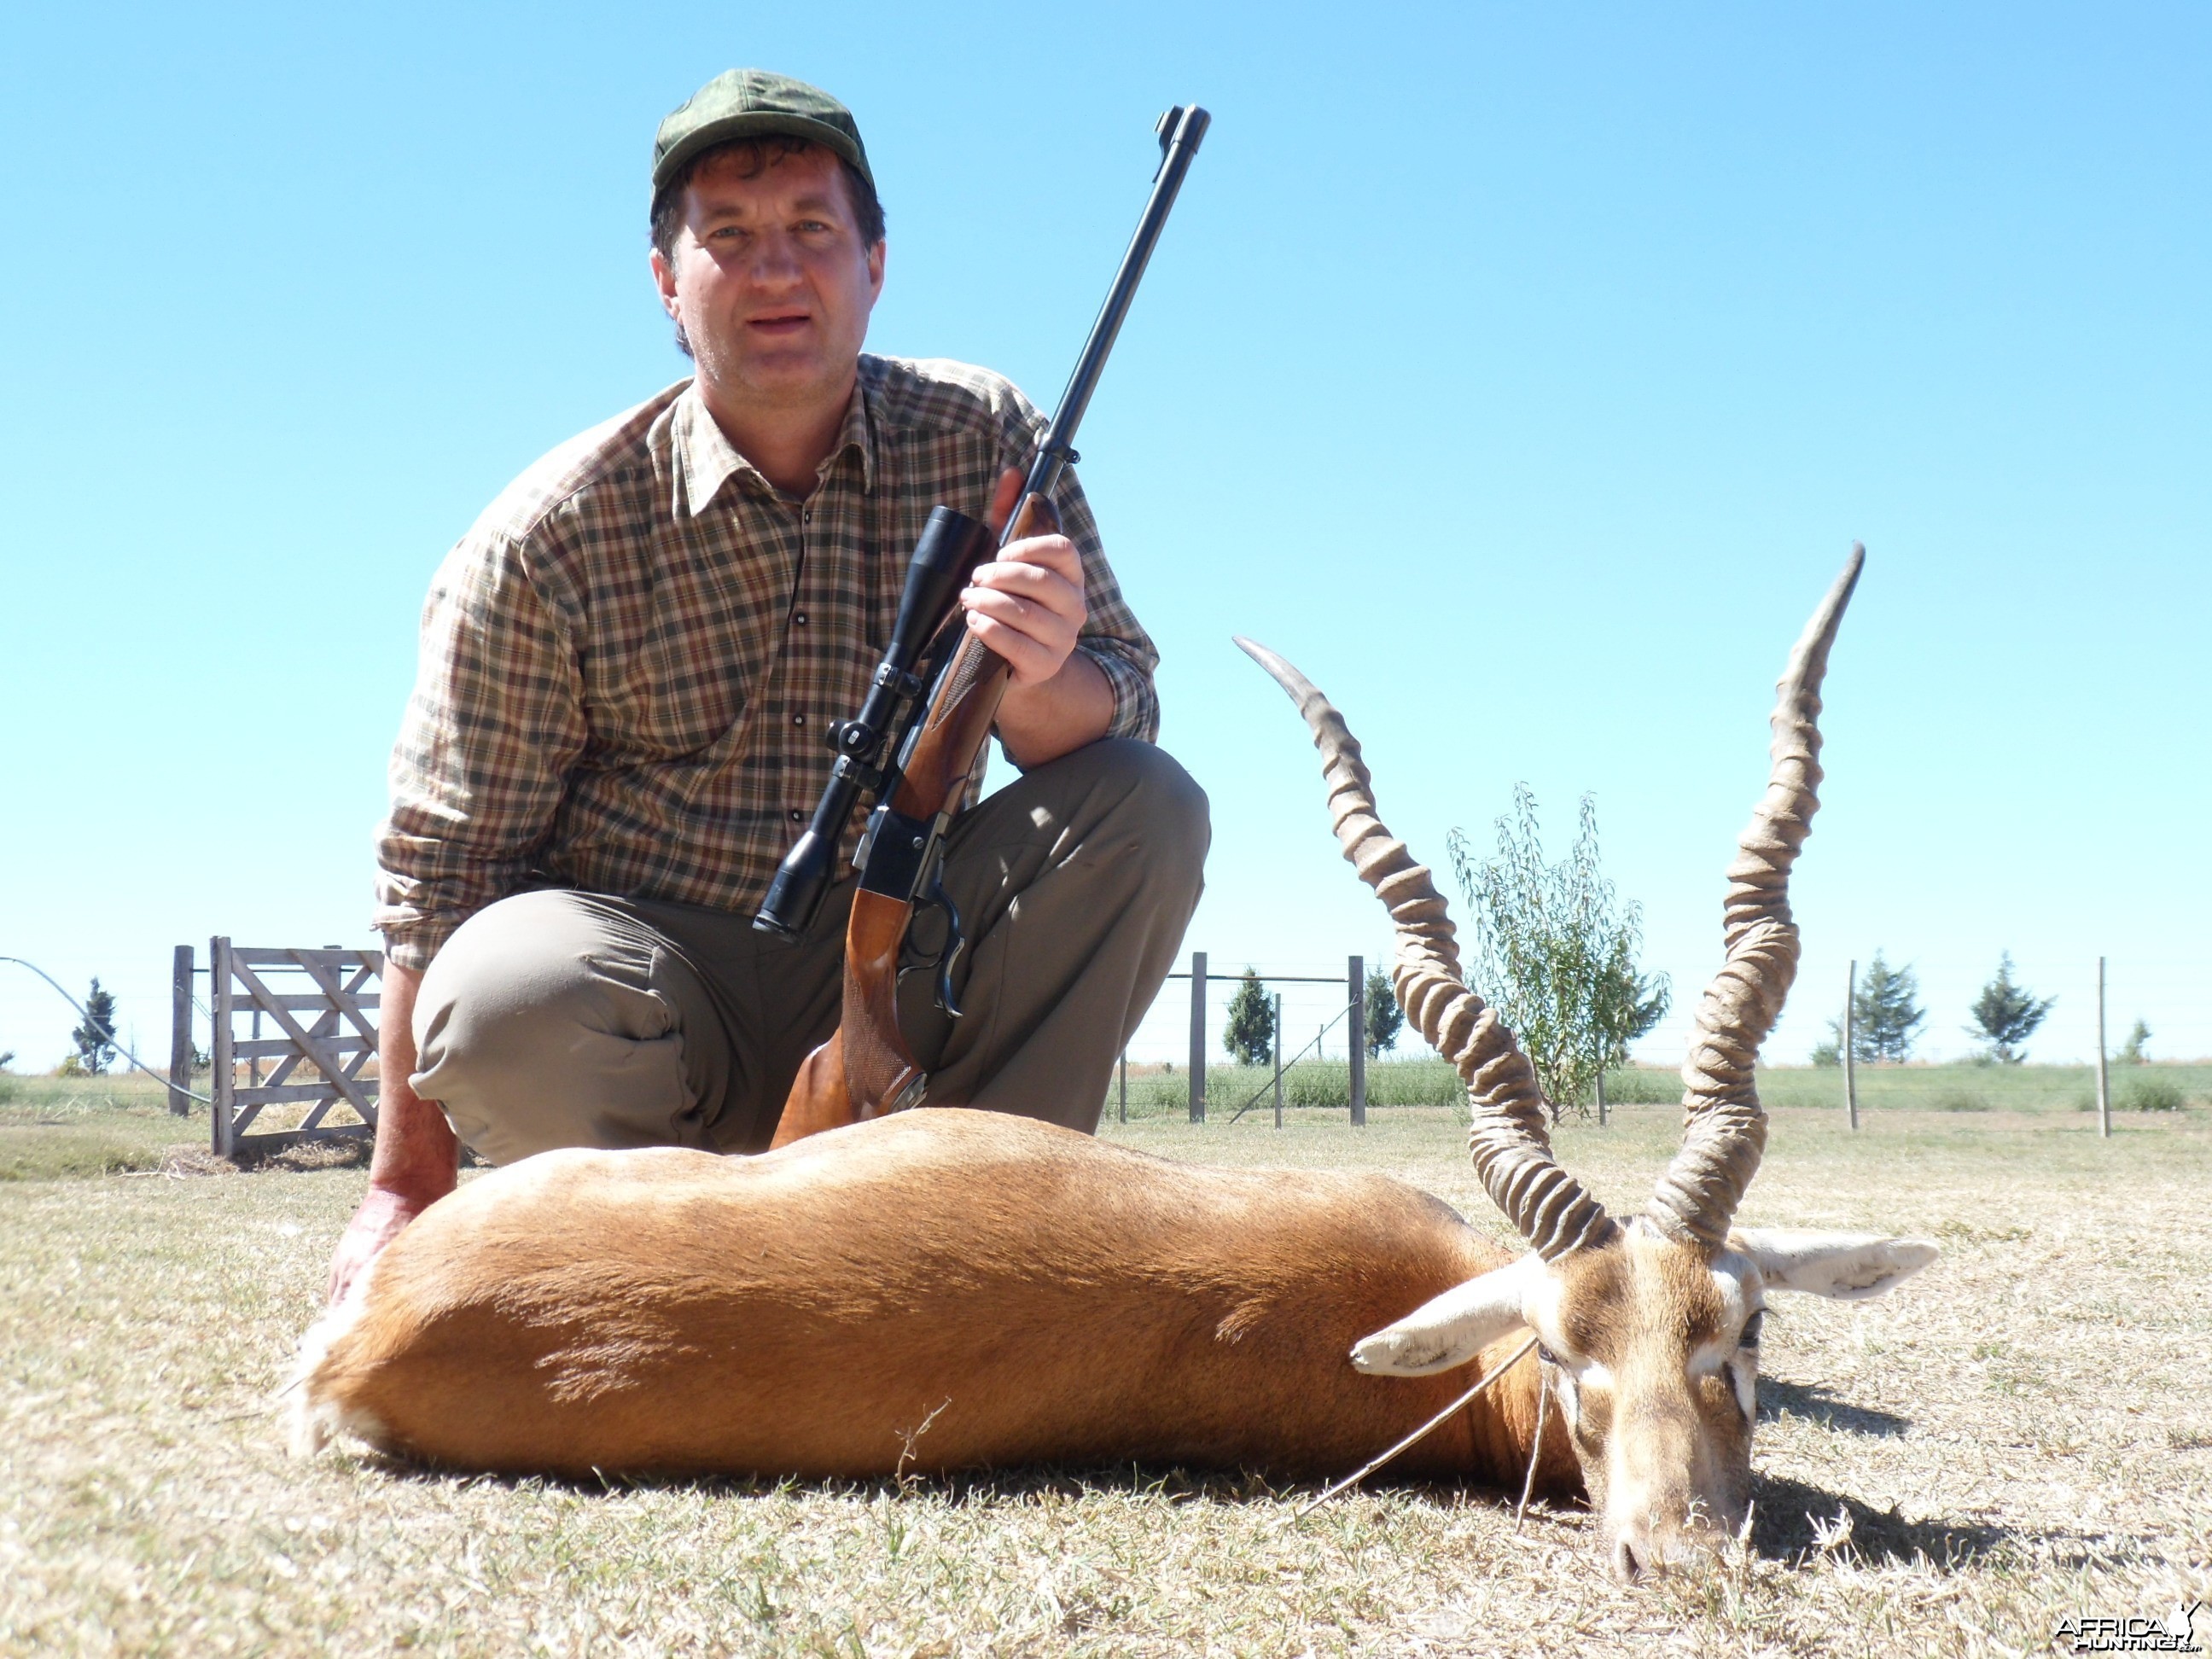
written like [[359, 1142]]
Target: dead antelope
[[945, 1289]]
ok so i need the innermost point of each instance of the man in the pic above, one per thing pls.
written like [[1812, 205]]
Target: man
[[628, 667]]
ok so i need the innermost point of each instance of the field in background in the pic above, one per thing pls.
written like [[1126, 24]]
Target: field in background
[[2022, 1432], [1959, 1087]]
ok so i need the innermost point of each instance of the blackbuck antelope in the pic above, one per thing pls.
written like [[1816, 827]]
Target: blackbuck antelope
[[945, 1289]]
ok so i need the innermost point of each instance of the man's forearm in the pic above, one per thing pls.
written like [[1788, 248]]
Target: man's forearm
[[417, 1154], [1041, 723]]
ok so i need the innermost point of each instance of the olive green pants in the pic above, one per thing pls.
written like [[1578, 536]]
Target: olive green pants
[[564, 1018]]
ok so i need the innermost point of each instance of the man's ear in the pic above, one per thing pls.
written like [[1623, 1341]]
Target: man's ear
[[1454, 1327], [1848, 1267]]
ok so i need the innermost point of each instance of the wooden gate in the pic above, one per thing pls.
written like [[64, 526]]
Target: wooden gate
[[291, 1027]]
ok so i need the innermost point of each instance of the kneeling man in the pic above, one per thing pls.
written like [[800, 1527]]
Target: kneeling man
[[627, 668]]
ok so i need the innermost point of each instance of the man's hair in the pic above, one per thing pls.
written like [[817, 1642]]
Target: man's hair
[[756, 157]]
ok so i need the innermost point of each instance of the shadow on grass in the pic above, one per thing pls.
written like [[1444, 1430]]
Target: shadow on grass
[[1792, 1521], [1815, 1404]]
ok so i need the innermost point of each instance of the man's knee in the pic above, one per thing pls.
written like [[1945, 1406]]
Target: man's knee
[[1161, 806], [519, 975], [534, 1016]]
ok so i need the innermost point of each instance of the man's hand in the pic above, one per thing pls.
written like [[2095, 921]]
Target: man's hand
[[417, 1159], [1027, 603]]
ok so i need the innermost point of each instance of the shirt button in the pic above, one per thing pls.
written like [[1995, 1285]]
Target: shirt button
[[797, 817], [798, 719], [799, 619]]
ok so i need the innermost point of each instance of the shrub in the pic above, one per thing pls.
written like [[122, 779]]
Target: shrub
[[2151, 1094]]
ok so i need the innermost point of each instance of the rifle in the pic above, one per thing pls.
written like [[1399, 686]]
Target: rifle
[[911, 756]]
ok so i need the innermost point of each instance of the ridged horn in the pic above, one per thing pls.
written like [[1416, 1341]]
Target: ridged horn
[[1723, 1126], [1511, 1148]]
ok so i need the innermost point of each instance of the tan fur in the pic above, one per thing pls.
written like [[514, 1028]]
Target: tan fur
[[1031, 1294]]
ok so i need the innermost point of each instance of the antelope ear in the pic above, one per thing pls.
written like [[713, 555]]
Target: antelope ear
[[1454, 1327], [1848, 1267]]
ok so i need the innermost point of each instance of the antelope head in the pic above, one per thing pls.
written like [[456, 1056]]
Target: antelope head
[[1648, 1328]]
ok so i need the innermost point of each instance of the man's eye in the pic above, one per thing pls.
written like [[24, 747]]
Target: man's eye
[[1751, 1329]]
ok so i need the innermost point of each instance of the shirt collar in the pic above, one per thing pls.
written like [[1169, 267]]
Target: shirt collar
[[707, 459]]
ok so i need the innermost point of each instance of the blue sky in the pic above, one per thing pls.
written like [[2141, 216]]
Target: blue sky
[[1523, 374]]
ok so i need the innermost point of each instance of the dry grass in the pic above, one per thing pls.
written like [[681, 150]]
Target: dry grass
[[2023, 1431]]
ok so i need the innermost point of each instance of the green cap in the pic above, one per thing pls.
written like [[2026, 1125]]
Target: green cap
[[747, 103]]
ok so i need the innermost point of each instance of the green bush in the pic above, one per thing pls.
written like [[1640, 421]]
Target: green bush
[[1960, 1100], [2151, 1094]]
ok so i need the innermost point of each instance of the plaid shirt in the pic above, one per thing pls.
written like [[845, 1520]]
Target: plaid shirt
[[629, 662]]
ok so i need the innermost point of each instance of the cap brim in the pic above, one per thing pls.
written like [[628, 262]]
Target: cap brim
[[757, 124]]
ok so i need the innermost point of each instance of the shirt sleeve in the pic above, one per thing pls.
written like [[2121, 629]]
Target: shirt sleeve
[[494, 726], [1112, 637]]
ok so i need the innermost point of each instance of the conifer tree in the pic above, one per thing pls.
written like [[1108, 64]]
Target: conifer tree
[[1251, 1033], [2007, 1013], [1885, 1013], [96, 1038], [1384, 1017]]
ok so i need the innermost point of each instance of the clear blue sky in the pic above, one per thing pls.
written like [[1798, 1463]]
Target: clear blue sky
[[1523, 373]]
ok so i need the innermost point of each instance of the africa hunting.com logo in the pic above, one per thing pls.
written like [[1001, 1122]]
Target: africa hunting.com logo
[[2091, 1634]]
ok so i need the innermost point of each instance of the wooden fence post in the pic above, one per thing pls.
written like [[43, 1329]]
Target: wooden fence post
[[1278, 1059], [1198, 1036], [1851, 1058], [1355, 973], [1601, 1093], [2104, 1082], [181, 1031], [222, 1084]]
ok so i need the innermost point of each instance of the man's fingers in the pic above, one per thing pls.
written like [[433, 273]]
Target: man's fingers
[[1046, 589], [1032, 663]]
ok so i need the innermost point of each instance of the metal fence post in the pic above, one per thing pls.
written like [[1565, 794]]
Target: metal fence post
[[1278, 1059], [180, 1032], [2103, 1089], [1125, 1085], [1355, 974], [1198, 1036], [1601, 1093], [1851, 1055]]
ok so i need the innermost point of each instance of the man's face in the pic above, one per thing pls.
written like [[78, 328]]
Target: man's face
[[769, 278]]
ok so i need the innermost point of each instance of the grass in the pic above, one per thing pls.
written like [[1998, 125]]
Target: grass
[[2023, 1432]]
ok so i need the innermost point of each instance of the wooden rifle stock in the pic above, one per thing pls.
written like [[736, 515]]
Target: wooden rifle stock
[[865, 1069]]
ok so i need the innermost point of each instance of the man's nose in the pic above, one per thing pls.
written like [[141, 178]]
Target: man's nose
[[773, 261]]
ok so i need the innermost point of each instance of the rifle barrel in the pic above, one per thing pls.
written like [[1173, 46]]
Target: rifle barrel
[[1180, 129]]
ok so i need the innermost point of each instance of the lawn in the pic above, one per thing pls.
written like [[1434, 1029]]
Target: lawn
[[2022, 1432]]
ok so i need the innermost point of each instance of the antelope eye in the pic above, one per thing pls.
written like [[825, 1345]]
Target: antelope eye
[[1546, 1355], [1751, 1329]]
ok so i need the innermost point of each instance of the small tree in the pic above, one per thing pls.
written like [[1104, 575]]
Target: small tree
[[1885, 1013], [2007, 1013], [1555, 952], [1385, 1018], [96, 1038], [1251, 1033], [2132, 1052]]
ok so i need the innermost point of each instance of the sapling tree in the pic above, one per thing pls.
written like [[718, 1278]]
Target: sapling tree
[[1251, 1033], [2134, 1052], [1384, 1017], [1557, 951], [2007, 1013]]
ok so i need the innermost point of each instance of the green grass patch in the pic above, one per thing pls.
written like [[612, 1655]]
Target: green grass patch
[[58, 1128]]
